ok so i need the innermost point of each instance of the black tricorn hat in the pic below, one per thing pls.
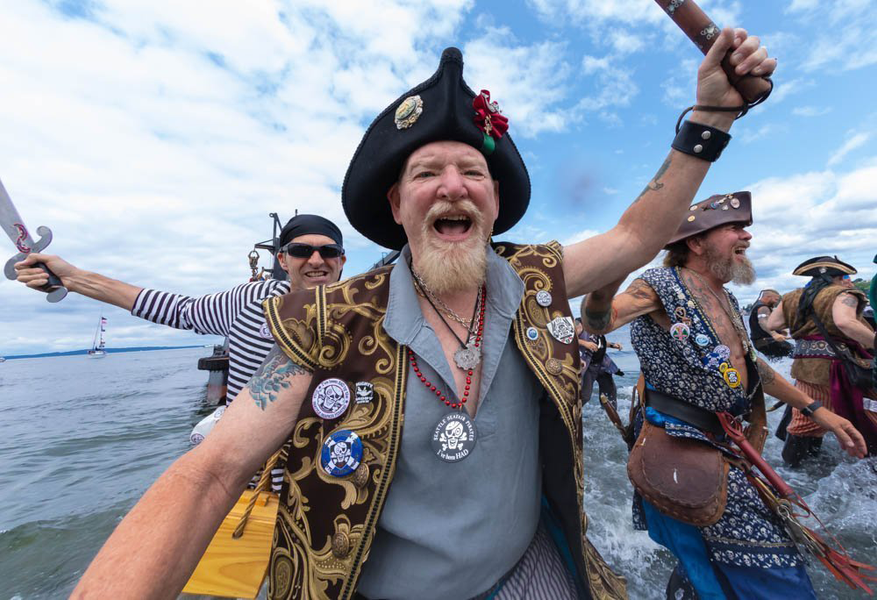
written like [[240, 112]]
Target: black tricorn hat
[[439, 109], [713, 212], [829, 265]]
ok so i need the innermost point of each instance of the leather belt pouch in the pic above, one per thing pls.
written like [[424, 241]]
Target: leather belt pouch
[[683, 478]]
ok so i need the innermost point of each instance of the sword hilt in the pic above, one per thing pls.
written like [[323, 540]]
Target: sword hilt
[[701, 30], [54, 287]]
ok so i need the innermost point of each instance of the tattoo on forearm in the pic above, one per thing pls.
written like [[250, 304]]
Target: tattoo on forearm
[[767, 374], [655, 184], [849, 300], [273, 376]]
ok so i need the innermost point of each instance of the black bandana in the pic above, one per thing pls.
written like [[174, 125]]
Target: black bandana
[[310, 224]]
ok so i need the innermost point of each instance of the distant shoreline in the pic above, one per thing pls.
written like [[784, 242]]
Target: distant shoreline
[[108, 351]]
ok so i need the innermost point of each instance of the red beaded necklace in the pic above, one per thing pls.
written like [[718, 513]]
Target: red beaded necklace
[[479, 334]]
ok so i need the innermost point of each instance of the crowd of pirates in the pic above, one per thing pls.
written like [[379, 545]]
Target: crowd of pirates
[[433, 408]]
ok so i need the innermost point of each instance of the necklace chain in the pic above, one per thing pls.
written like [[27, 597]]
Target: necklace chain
[[441, 307], [734, 316]]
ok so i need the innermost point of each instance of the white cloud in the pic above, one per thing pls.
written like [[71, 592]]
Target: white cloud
[[804, 215], [533, 98], [811, 111], [615, 86], [680, 85], [845, 37], [580, 236], [598, 11], [854, 141], [783, 89]]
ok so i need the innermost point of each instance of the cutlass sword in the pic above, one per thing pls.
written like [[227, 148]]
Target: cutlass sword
[[701, 30], [12, 223]]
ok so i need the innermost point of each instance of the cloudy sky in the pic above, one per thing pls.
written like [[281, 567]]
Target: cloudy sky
[[154, 137]]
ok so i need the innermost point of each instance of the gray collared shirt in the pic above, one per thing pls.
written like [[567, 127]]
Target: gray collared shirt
[[451, 530]]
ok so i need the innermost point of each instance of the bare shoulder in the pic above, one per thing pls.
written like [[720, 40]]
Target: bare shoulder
[[850, 299]]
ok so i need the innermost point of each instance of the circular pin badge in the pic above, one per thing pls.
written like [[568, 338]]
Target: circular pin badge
[[543, 298], [723, 367], [735, 203], [732, 377], [680, 332], [331, 398], [532, 334], [554, 366], [265, 332], [723, 351], [714, 205], [711, 362], [454, 437], [341, 453], [701, 339]]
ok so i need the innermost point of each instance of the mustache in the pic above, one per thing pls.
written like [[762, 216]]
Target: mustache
[[442, 208]]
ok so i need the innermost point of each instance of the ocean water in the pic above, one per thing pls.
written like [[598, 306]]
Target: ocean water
[[82, 439]]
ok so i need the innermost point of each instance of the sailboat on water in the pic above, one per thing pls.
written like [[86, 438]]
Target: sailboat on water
[[98, 345]]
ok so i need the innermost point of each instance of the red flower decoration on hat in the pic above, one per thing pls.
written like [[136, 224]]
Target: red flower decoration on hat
[[488, 117]]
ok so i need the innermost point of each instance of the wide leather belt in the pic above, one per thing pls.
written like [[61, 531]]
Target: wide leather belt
[[693, 415], [815, 349]]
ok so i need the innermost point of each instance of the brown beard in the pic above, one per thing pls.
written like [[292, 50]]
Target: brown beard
[[452, 266], [727, 269]]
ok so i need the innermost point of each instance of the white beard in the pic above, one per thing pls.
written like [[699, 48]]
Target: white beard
[[452, 266]]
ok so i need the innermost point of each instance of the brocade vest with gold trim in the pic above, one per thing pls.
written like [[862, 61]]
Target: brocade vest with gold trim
[[326, 524]]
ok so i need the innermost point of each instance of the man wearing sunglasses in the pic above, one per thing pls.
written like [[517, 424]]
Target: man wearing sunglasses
[[311, 253]]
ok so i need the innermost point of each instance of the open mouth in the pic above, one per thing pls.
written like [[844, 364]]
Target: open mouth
[[316, 274], [740, 251], [452, 226]]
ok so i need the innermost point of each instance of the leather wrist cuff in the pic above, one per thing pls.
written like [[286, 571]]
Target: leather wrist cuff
[[808, 410], [701, 141]]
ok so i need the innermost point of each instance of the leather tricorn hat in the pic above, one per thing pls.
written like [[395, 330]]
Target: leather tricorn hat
[[442, 108], [830, 265], [713, 212]]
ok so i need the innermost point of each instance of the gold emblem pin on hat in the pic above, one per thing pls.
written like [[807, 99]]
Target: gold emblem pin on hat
[[408, 112]]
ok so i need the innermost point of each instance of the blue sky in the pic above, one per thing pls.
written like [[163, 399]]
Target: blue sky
[[155, 137]]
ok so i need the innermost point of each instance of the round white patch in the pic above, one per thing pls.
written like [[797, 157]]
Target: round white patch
[[265, 332], [331, 398]]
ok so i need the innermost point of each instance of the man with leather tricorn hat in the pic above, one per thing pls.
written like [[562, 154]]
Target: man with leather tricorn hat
[[697, 361], [825, 320], [468, 343]]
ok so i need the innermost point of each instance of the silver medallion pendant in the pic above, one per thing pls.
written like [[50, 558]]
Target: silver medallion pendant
[[454, 437], [468, 357]]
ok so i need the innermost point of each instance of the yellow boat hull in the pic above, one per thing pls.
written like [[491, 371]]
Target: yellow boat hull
[[236, 568]]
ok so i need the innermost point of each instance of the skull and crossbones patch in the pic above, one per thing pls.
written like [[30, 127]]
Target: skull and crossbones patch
[[331, 398], [454, 437], [341, 453]]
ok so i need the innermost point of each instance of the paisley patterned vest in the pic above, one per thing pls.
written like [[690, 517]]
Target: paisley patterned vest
[[681, 367], [326, 524]]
